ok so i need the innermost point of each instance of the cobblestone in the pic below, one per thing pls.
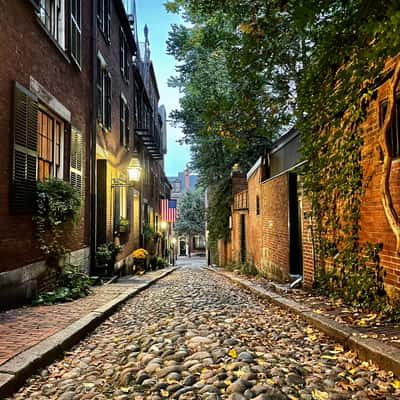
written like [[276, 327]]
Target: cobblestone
[[194, 335]]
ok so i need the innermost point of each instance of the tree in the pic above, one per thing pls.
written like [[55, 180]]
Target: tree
[[191, 215], [251, 68]]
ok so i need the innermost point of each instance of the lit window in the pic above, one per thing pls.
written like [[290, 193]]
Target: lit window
[[49, 146]]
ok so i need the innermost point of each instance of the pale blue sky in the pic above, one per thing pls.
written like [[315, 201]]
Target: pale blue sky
[[153, 13]]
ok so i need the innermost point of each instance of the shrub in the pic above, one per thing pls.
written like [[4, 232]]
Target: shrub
[[57, 204], [73, 284]]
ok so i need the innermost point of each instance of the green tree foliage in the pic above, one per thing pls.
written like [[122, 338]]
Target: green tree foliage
[[249, 69], [191, 214]]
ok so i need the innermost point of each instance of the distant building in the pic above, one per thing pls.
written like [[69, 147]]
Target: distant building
[[181, 184]]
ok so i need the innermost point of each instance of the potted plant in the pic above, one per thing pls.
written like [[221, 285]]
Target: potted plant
[[139, 258], [123, 226], [105, 256]]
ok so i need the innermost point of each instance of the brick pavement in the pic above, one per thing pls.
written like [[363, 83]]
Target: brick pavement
[[25, 327]]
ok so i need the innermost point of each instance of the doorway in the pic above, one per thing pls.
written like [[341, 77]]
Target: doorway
[[295, 224]]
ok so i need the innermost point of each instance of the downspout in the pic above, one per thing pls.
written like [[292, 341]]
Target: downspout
[[92, 145]]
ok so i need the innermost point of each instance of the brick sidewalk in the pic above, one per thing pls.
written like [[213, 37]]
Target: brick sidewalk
[[25, 327]]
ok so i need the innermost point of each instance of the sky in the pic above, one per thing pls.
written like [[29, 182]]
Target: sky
[[153, 13]]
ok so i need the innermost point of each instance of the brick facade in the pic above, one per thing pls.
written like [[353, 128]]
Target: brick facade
[[374, 225], [254, 222], [30, 57], [275, 233]]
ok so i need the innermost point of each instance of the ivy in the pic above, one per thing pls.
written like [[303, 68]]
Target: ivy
[[57, 208]]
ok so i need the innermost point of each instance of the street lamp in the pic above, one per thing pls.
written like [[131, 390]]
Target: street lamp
[[134, 170], [164, 225]]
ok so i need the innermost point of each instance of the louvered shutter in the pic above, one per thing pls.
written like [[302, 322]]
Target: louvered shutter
[[24, 151], [127, 125], [108, 100], [117, 208], [121, 121], [121, 52], [107, 18], [76, 165], [129, 207]]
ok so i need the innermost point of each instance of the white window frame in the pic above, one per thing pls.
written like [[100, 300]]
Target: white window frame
[[52, 15]]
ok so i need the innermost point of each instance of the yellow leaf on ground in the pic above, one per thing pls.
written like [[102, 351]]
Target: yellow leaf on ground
[[318, 395], [339, 348], [164, 393], [352, 371], [313, 338], [124, 389], [396, 384], [329, 357], [232, 353], [228, 382]]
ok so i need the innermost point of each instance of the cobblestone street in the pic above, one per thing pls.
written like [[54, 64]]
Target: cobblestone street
[[195, 335]]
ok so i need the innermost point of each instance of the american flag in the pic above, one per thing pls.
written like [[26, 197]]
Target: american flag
[[168, 210]]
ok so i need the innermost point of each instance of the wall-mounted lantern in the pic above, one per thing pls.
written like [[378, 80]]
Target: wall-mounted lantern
[[134, 170]]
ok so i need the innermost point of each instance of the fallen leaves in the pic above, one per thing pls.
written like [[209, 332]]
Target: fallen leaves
[[232, 353], [319, 395]]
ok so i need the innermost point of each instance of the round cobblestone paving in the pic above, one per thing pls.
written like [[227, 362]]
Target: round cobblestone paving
[[194, 335]]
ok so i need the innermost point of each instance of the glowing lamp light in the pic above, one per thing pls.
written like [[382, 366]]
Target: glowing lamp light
[[134, 170], [164, 225]]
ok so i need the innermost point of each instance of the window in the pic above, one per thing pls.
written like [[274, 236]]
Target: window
[[124, 122], [104, 18], [394, 130], [75, 31], [257, 205], [103, 87], [122, 209], [49, 138], [123, 55], [38, 149], [51, 13]]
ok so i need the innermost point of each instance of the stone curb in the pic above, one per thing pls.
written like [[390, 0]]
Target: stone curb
[[385, 356], [14, 372]]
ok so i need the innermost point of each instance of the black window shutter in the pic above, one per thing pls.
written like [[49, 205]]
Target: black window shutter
[[107, 18], [117, 212], [129, 207], [100, 88], [24, 151], [100, 13], [126, 66], [76, 160], [121, 121], [126, 125], [108, 100], [121, 51]]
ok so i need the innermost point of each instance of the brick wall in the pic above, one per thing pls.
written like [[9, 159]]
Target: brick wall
[[27, 51], [374, 225], [254, 220], [275, 234]]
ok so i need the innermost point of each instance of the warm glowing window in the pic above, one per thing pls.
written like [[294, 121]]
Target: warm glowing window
[[49, 146]]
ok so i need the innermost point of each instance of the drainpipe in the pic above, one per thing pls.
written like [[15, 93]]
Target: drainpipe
[[92, 145]]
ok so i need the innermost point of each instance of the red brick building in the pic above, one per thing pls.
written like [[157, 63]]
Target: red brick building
[[79, 102], [45, 120], [267, 223], [270, 223]]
